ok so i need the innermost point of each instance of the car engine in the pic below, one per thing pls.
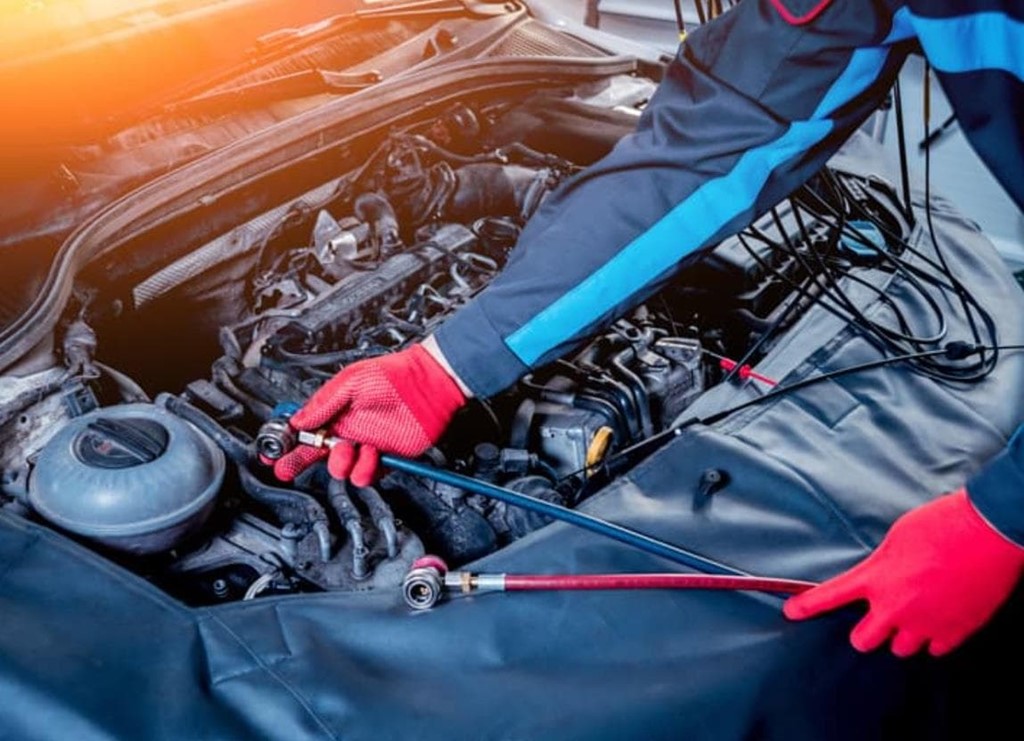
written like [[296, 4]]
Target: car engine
[[370, 262]]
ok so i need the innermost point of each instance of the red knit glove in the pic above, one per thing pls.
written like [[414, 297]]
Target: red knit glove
[[938, 576], [399, 403]]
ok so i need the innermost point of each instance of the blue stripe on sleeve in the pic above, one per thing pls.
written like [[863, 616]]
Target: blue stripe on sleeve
[[864, 67], [688, 225], [696, 219], [969, 43]]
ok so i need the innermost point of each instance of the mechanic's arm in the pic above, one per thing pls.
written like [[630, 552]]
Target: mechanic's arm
[[748, 111], [751, 107]]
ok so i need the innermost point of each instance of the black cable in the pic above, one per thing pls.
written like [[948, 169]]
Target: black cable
[[314, 359], [909, 348], [833, 277], [901, 318], [884, 228], [701, 16], [354, 181], [501, 156], [928, 213], [789, 281], [834, 299], [679, 19], [902, 243], [966, 298], [831, 283], [843, 303], [902, 141], [836, 310], [914, 277], [912, 273], [953, 350], [933, 137], [784, 315]]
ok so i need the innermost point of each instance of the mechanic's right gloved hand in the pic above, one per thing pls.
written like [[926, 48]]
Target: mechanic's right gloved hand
[[399, 403], [939, 575]]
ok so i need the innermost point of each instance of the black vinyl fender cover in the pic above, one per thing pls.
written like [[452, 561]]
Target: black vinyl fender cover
[[89, 651]]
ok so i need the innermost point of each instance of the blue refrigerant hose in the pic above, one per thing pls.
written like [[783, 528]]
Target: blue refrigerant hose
[[564, 514], [277, 436]]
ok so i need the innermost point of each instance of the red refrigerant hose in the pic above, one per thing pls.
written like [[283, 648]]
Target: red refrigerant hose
[[537, 582], [429, 579]]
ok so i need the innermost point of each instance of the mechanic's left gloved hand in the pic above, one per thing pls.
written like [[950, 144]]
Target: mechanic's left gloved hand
[[939, 575]]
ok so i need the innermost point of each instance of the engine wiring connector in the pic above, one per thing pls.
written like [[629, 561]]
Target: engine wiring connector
[[745, 372]]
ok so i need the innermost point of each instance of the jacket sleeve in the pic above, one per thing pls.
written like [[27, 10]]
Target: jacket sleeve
[[749, 109], [976, 50], [997, 490]]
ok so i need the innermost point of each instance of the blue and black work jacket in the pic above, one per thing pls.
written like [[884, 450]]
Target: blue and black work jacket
[[790, 80]]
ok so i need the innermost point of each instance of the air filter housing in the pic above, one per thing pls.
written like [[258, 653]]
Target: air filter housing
[[134, 478]]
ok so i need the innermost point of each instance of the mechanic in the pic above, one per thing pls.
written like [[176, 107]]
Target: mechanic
[[753, 105]]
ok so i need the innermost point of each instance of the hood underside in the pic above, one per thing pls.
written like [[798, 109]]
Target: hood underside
[[53, 180]]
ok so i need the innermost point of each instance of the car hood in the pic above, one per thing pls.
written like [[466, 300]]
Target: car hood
[[88, 81], [76, 67], [112, 95]]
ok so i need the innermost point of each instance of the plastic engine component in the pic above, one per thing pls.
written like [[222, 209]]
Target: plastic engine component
[[134, 478]]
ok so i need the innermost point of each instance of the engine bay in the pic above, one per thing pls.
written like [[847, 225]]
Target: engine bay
[[167, 484]]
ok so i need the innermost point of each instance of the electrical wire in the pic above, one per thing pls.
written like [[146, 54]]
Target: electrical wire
[[701, 15], [260, 585], [919, 279], [833, 285], [953, 349], [826, 274], [942, 279], [681, 27], [902, 141], [960, 290], [321, 359]]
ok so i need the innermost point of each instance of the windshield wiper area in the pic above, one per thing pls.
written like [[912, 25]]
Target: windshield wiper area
[[320, 81], [294, 85], [425, 7]]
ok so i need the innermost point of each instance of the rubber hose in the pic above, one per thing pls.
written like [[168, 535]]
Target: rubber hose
[[574, 582]]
